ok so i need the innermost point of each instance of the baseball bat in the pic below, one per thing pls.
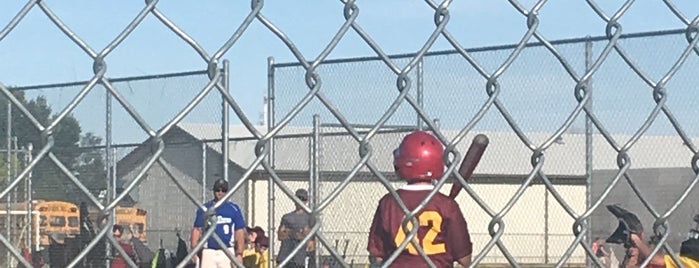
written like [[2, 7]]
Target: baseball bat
[[471, 160]]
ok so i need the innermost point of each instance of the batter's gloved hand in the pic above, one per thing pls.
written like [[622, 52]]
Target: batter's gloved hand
[[628, 224]]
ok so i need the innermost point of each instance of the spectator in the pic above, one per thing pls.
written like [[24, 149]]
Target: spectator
[[630, 233], [262, 246], [250, 252], [119, 261], [293, 228]]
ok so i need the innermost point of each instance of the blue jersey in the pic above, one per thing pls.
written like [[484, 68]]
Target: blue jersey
[[228, 219]]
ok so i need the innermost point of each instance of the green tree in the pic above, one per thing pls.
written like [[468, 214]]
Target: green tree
[[90, 165], [47, 179]]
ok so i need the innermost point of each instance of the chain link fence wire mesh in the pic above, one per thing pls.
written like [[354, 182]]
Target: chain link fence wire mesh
[[574, 125]]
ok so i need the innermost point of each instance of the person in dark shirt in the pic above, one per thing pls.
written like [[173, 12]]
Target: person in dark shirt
[[442, 232], [293, 228]]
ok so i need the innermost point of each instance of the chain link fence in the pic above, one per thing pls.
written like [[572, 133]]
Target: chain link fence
[[574, 125], [82, 149], [447, 89]]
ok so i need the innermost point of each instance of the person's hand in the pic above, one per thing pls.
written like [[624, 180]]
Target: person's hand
[[636, 239], [376, 263], [239, 257], [195, 259]]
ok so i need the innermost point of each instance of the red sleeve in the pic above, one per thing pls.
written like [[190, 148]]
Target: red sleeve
[[128, 249], [376, 233], [459, 240]]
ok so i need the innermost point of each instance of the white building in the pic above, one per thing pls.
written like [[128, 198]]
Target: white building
[[537, 229]]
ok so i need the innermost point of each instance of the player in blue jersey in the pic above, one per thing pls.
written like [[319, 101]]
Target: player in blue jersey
[[230, 227]]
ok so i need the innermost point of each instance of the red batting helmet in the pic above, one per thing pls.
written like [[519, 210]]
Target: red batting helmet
[[420, 156]]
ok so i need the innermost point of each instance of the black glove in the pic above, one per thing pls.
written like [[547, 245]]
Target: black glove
[[690, 249], [628, 224]]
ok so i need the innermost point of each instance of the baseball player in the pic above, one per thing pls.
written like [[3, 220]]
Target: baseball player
[[230, 227], [442, 230]]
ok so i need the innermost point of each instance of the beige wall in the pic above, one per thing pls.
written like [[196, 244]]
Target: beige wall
[[349, 217]]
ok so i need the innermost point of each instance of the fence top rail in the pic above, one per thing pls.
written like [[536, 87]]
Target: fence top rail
[[309, 134], [115, 80], [491, 48]]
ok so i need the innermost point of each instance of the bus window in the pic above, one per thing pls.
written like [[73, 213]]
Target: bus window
[[138, 228], [73, 221], [42, 220], [58, 221], [126, 227]]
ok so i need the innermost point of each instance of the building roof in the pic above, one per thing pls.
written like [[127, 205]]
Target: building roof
[[141, 153], [506, 153]]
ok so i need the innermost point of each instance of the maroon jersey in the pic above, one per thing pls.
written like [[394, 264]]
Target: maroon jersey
[[442, 233]]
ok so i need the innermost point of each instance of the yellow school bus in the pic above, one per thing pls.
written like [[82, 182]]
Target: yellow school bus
[[20, 227], [134, 219], [58, 219]]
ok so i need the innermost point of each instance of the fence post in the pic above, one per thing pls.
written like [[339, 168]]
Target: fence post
[[203, 171], [546, 226], [14, 161], [8, 160], [28, 194], [270, 160], [111, 180], [588, 144], [420, 87], [224, 118], [315, 178]]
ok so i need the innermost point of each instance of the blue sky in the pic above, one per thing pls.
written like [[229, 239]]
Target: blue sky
[[36, 52]]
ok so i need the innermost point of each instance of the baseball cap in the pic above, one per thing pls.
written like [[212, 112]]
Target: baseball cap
[[302, 194], [220, 184]]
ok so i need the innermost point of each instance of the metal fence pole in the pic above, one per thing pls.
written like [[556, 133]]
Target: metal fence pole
[[111, 180], [30, 195], [546, 226], [588, 144], [113, 165], [8, 160], [270, 160], [225, 121], [26, 198], [15, 161], [420, 89], [315, 177], [203, 171]]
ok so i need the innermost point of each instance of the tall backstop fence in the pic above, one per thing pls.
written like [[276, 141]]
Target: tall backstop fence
[[574, 125], [530, 112]]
